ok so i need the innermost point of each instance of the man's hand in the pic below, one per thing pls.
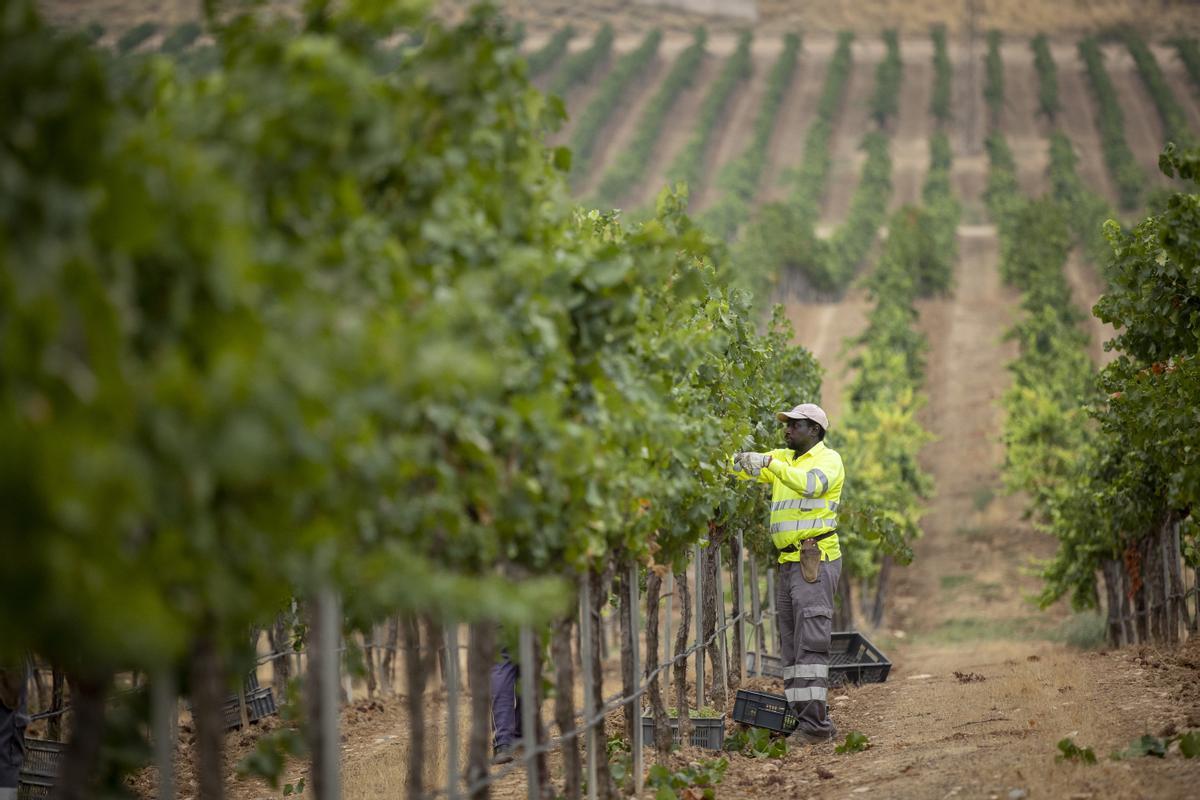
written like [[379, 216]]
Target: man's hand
[[752, 463]]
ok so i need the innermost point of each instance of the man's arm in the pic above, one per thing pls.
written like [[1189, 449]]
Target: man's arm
[[808, 482]]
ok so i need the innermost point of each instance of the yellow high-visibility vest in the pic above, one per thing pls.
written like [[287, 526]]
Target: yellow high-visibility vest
[[805, 494]]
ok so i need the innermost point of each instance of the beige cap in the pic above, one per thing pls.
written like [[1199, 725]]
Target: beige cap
[[806, 411]]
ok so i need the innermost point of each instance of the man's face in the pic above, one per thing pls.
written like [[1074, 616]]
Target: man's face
[[800, 434]]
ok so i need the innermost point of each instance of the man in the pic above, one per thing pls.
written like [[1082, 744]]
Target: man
[[12, 729], [506, 709], [806, 488]]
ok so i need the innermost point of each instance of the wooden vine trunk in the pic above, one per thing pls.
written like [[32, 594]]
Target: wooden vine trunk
[[480, 656], [564, 705], [369, 658], [881, 587], [605, 788], [843, 608], [414, 695], [387, 667], [57, 687], [278, 635], [542, 735], [680, 666], [662, 730], [208, 694], [737, 657], [628, 679], [1144, 589], [711, 555], [88, 697]]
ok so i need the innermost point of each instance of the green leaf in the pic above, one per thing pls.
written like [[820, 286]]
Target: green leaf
[[855, 742], [1069, 751], [562, 159]]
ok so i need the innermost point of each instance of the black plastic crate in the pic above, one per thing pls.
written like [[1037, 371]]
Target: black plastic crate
[[707, 732], [34, 787], [852, 659], [768, 665], [260, 703], [43, 762], [762, 710], [43, 757]]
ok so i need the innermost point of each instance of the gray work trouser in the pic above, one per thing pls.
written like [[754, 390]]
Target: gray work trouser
[[12, 746], [806, 626]]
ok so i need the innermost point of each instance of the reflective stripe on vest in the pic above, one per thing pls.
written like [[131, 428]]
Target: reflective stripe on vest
[[805, 505], [803, 524], [806, 671], [809, 693], [810, 485]]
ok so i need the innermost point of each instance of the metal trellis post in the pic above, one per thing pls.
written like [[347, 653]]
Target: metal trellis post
[[635, 703], [667, 649], [739, 629], [760, 641], [721, 675], [330, 617], [776, 646], [163, 711], [529, 710], [452, 688]]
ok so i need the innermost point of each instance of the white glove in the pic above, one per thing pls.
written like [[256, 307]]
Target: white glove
[[752, 463]]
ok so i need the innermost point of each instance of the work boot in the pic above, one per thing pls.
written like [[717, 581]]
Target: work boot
[[504, 754], [808, 737]]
